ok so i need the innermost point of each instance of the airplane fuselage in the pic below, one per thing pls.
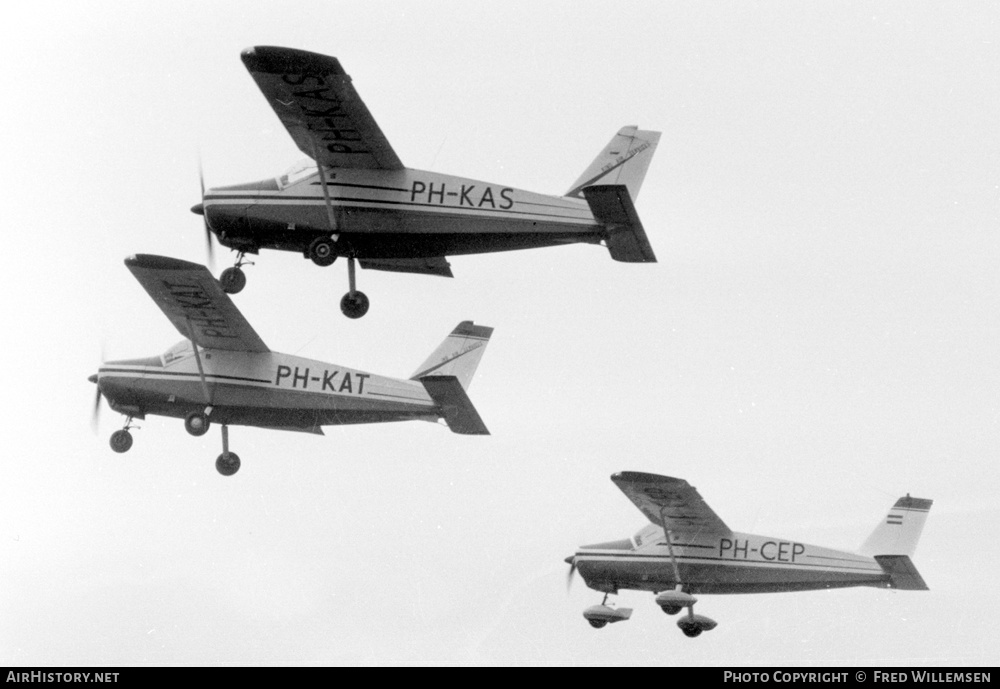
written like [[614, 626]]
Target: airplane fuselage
[[260, 389], [395, 214], [732, 563]]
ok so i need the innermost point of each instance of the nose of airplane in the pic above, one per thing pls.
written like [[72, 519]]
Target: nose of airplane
[[93, 378], [569, 560], [198, 209]]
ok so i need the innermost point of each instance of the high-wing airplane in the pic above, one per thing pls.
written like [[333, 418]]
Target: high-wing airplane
[[224, 373], [687, 550], [355, 199]]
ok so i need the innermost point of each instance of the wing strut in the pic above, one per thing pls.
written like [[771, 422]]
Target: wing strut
[[201, 370], [331, 218]]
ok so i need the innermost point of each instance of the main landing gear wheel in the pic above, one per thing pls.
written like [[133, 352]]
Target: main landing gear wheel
[[670, 609], [597, 624], [121, 441], [354, 304], [196, 423], [227, 465], [233, 280], [321, 251], [691, 631]]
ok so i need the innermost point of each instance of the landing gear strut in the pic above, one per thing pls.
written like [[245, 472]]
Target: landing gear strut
[[233, 280], [355, 303], [228, 463]]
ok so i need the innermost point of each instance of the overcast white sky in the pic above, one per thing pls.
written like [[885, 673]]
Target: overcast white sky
[[818, 338]]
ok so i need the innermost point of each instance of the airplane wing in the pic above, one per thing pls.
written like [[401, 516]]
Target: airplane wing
[[314, 99], [194, 302], [669, 502]]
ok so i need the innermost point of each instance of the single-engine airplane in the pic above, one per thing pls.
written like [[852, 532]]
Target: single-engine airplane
[[224, 373], [355, 199], [687, 549]]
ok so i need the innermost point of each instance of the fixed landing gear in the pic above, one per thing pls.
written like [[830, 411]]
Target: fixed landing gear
[[355, 303], [121, 441], [321, 251], [233, 280], [196, 423], [228, 463]]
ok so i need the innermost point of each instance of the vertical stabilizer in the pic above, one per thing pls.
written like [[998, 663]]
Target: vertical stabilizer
[[623, 161], [900, 530], [458, 355]]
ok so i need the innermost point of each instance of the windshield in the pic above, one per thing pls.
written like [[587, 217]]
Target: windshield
[[296, 173], [648, 534], [181, 350]]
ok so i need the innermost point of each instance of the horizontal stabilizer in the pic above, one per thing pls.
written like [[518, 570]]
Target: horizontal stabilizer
[[456, 407], [435, 265], [613, 208], [902, 574]]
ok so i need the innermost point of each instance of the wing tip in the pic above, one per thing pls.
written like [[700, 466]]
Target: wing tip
[[154, 262], [276, 60], [643, 477]]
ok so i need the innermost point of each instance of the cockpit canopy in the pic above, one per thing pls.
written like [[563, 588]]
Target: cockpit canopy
[[296, 173], [180, 351]]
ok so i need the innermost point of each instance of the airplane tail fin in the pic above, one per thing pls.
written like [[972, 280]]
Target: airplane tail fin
[[458, 355], [900, 530], [623, 161]]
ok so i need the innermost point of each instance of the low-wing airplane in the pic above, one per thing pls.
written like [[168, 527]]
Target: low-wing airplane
[[224, 373], [687, 550], [355, 199]]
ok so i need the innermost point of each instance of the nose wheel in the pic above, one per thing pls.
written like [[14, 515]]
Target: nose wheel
[[233, 280], [121, 441]]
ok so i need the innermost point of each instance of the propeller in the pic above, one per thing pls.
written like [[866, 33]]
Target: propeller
[[199, 209], [95, 413], [571, 561]]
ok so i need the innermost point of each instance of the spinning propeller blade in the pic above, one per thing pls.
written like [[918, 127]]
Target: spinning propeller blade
[[95, 414], [199, 209], [571, 560]]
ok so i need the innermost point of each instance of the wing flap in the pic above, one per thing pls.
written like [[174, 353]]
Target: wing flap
[[669, 502], [315, 100], [434, 265], [456, 407], [194, 302], [613, 208]]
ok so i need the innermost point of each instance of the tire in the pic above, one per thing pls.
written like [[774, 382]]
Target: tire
[[196, 423], [354, 306], [121, 441], [321, 251], [233, 280], [670, 609], [227, 467], [597, 624], [691, 632]]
